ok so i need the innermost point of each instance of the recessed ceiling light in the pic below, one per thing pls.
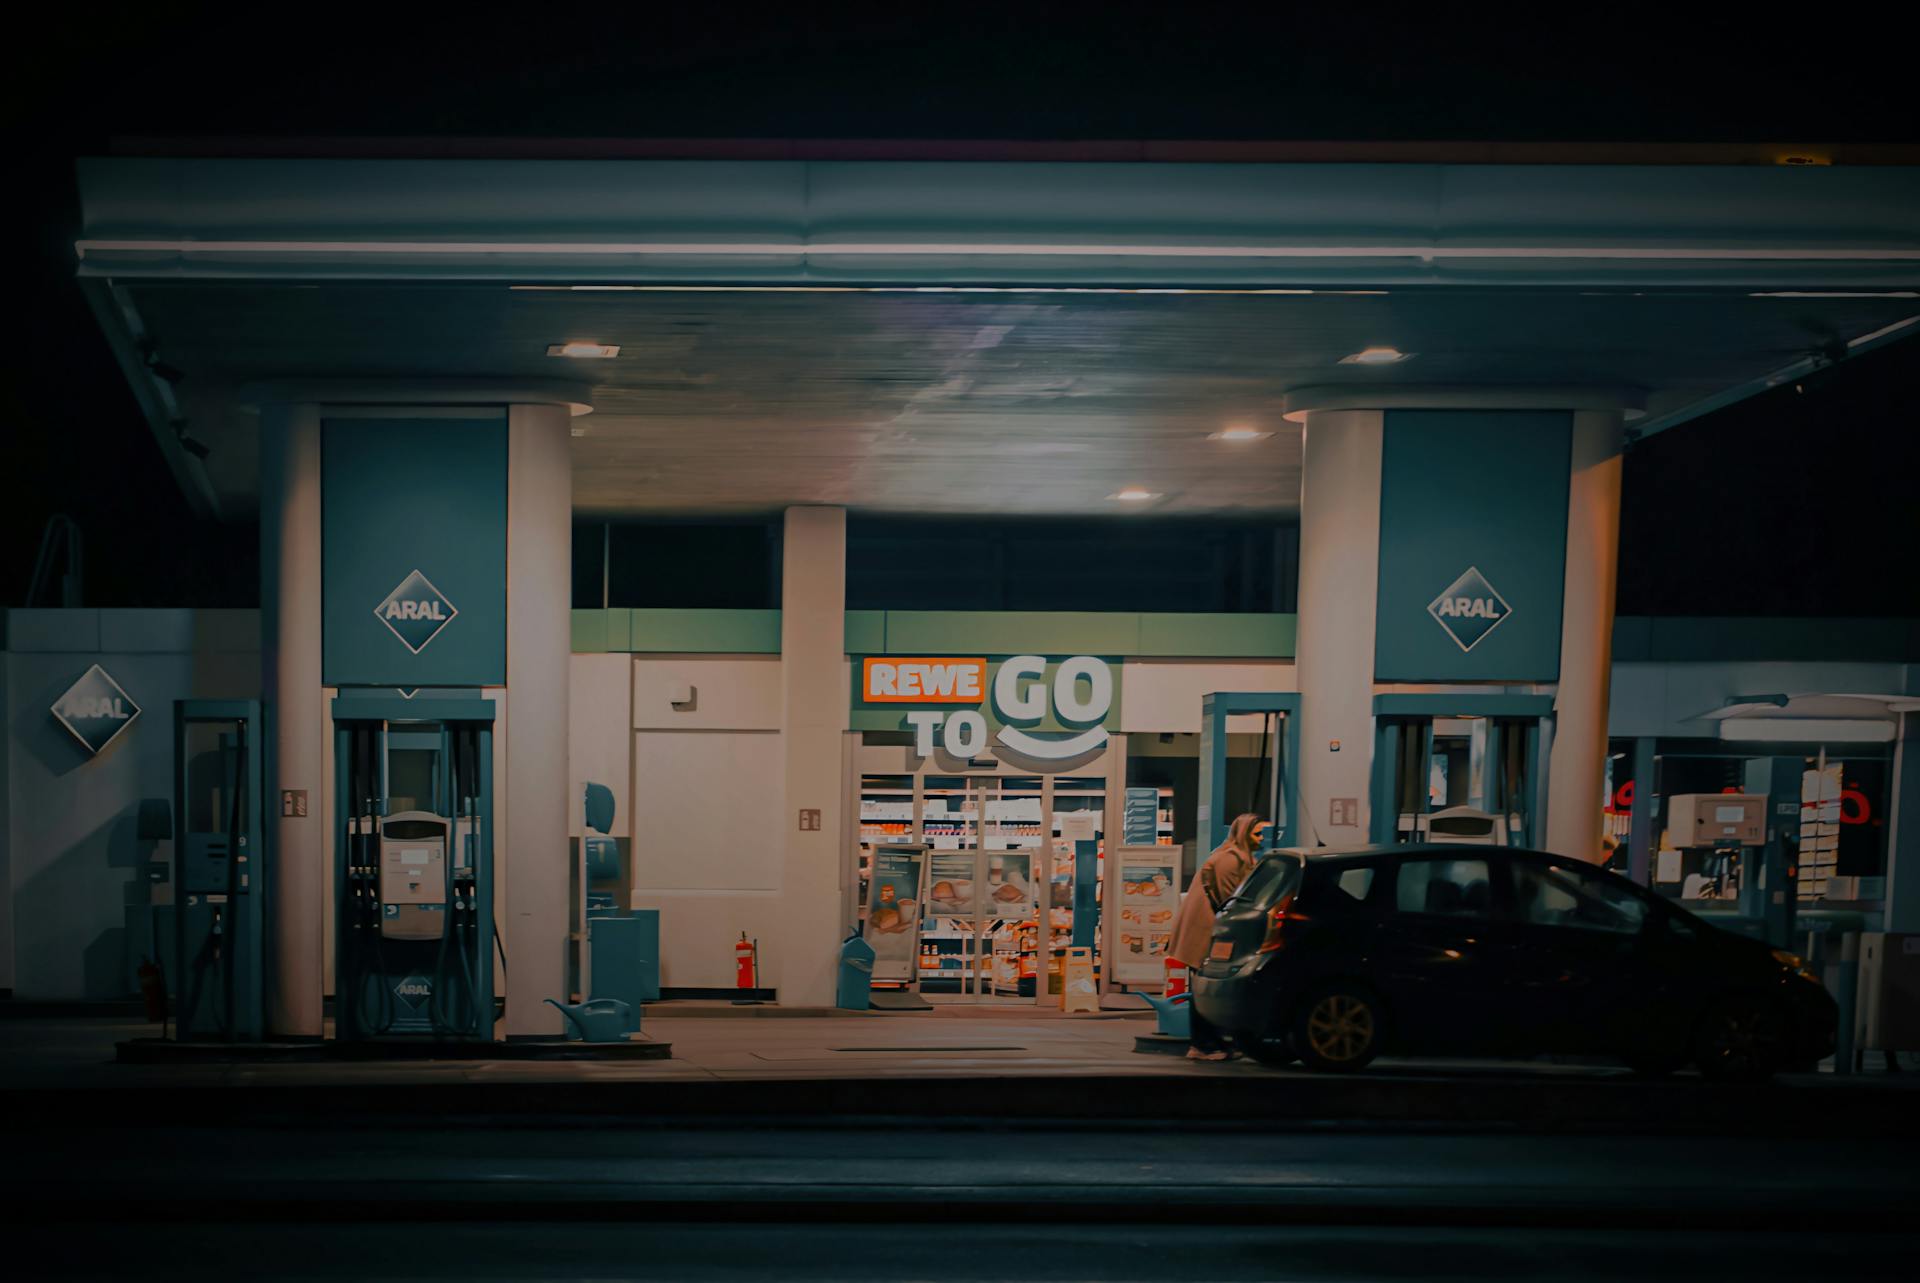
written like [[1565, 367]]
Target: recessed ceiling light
[[1134, 494], [584, 351], [1376, 356], [1239, 432]]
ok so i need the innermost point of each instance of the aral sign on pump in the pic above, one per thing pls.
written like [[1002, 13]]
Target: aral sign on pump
[[416, 611], [95, 709], [1027, 706], [1469, 609]]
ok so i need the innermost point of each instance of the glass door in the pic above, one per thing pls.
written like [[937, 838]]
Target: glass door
[[950, 936], [886, 815], [1013, 832]]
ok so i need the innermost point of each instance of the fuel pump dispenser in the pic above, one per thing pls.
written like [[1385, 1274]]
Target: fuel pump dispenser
[[1727, 828], [413, 868], [1770, 872], [1276, 785], [219, 876], [1461, 769]]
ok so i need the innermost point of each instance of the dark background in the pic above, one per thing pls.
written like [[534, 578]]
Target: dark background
[[1797, 503]]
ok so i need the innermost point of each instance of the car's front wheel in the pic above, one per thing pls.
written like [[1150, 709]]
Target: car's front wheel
[[1741, 1038], [1338, 1028]]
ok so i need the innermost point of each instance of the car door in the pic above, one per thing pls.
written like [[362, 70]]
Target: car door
[[1439, 954], [1579, 955]]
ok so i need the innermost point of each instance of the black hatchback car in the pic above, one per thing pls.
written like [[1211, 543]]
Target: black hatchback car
[[1334, 957]]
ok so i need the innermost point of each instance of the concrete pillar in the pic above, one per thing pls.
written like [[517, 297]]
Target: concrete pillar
[[1578, 772], [290, 683], [534, 915], [1339, 581], [813, 718]]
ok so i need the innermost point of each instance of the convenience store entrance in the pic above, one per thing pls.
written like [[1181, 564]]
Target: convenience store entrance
[[998, 908]]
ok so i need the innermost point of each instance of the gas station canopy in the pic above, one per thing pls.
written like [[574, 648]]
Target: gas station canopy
[[972, 337]]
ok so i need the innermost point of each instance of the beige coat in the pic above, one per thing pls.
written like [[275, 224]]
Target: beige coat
[[1215, 883]]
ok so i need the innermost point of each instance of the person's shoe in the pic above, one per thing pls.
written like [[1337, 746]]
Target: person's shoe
[[1194, 1053]]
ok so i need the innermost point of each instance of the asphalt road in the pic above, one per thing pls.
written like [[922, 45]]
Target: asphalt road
[[490, 1168], [983, 1251], [494, 1197]]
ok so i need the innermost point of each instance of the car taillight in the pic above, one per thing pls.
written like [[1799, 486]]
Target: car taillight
[[1277, 918]]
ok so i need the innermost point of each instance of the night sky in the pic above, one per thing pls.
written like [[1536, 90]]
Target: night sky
[[1811, 496]]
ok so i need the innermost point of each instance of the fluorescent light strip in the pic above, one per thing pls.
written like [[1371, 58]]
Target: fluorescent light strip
[[887, 249], [1835, 294], [926, 289]]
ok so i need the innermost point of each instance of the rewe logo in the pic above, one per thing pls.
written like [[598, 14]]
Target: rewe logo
[[1469, 609], [95, 709], [414, 990], [416, 611], [1080, 695]]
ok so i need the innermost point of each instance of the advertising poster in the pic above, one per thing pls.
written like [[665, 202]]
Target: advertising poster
[[893, 911], [1011, 892], [1149, 901], [1013, 898], [950, 885]]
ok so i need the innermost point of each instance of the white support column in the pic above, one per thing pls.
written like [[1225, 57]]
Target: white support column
[[1902, 912], [290, 684], [1339, 581], [813, 717], [1577, 775], [533, 846]]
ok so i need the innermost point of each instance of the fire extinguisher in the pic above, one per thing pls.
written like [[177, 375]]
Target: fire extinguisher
[[153, 991], [1176, 977], [746, 963]]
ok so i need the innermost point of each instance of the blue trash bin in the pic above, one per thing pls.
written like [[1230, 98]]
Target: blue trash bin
[[854, 992]]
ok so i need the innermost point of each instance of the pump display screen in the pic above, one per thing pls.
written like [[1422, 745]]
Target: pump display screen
[[1729, 814], [413, 884]]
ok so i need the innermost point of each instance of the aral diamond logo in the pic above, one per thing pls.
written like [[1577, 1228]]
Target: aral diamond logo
[[1469, 609], [95, 709], [416, 611], [415, 990]]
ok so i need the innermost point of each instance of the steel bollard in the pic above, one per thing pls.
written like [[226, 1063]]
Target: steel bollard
[[1846, 987]]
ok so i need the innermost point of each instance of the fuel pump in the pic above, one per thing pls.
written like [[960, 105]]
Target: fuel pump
[[219, 870], [1275, 789], [1727, 828], [1769, 890], [1460, 769], [414, 868]]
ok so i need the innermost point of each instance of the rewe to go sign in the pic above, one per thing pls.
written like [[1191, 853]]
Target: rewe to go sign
[[1080, 696]]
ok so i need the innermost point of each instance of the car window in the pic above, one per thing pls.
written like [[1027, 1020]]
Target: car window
[[1341, 891], [1449, 887], [1356, 882], [1554, 896]]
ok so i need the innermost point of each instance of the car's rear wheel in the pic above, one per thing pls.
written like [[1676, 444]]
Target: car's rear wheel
[[1741, 1038], [1338, 1028], [1274, 1050]]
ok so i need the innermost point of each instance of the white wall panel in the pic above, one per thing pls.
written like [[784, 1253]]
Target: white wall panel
[[733, 693]]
